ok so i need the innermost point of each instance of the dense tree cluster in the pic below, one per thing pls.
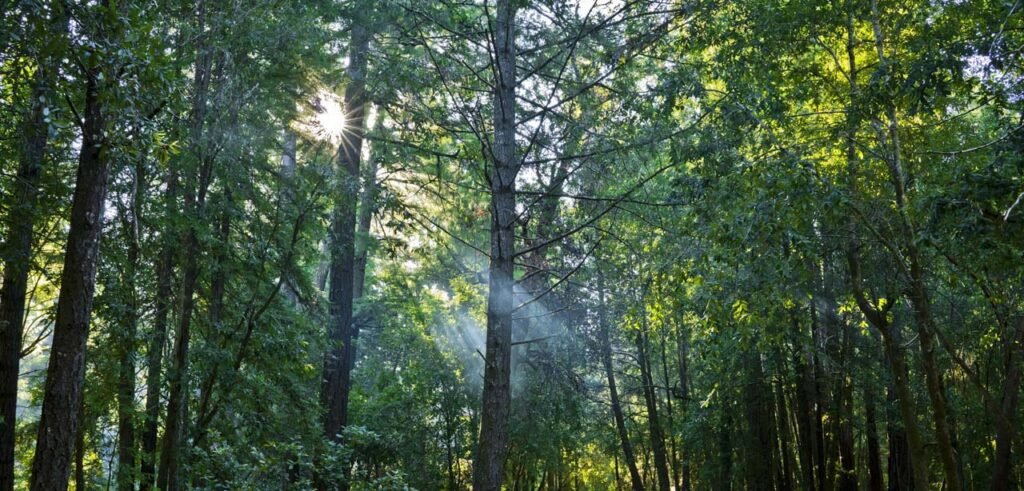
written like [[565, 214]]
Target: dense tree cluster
[[508, 244]]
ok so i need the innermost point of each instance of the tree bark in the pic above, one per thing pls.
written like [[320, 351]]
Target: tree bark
[[489, 465], [673, 454], [65, 374], [784, 430]]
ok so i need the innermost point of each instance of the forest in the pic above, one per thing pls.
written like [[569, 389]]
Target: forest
[[511, 245]]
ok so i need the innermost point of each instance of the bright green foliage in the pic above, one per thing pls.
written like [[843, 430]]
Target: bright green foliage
[[788, 220]]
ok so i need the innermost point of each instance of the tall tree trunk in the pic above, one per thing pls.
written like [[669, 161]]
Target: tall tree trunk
[[17, 258], [651, 400], [673, 454], [1005, 431], [158, 338], [367, 207], [609, 371], [65, 374], [683, 349], [873, 446], [918, 291], [218, 288], [782, 423], [168, 477], [900, 468], [807, 442], [723, 481], [16, 249], [844, 394], [817, 402], [914, 441], [489, 464], [877, 316], [760, 456], [126, 374], [341, 358]]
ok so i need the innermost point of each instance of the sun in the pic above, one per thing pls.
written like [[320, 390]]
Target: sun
[[330, 117]]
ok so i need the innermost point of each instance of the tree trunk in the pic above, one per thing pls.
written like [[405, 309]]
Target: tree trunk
[[904, 399], [609, 371], [807, 440], [80, 452], [158, 338], [367, 205], [918, 292], [873, 447], [760, 456], [17, 258], [65, 374], [673, 454], [684, 395], [168, 477], [16, 250], [489, 464], [126, 373], [876, 316], [651, 400], [341, 358], [724, 477], [782, 423], [1002, 467], [844, 394], [900, 471]]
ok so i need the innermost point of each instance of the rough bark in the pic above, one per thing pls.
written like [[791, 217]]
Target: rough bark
[[900, 467], [65, 374], [17, 260], [489, 463]]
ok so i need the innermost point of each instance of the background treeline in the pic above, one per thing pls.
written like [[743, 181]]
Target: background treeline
[[673, 245]]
